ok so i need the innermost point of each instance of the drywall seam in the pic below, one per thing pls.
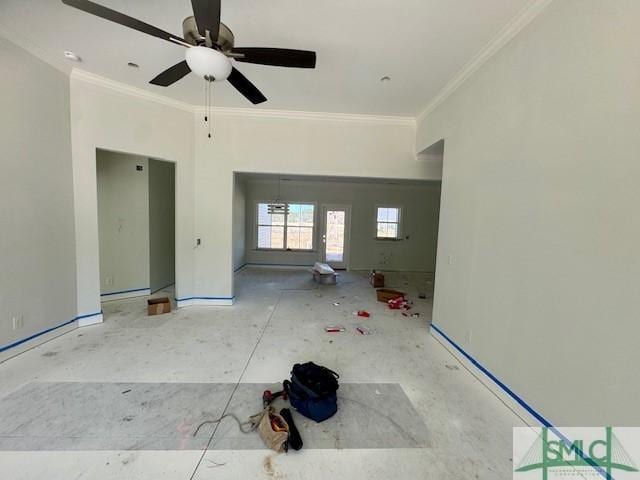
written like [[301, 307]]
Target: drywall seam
[[504, 36]]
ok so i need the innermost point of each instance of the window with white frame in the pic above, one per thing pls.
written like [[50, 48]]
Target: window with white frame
[[285, 226], [388, 222]]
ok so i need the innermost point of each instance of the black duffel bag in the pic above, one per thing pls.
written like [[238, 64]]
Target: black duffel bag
[[312, 391]]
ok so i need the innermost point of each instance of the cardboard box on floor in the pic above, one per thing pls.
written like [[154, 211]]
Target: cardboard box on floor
[[376, 279], [386, 294], [157, 306]]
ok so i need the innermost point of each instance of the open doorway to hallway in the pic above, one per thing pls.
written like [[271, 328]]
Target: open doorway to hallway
[[136, 224]]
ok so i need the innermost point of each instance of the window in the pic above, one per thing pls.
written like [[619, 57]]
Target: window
[[285, 226], [388, 222]]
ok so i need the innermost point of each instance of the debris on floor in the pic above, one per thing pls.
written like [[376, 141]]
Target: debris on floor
[[452, 367], [399, 303], [362, 313], [335, 304], [362, 330], [324, 274], [386, 294], [376, 279], [158, 306], [334, 329], [422, 295]]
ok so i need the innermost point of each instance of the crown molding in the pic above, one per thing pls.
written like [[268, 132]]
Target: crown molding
[[301, 115], [123, 88], [502, 38], [25, 43]]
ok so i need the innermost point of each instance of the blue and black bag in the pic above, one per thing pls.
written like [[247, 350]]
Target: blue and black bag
[[312, 391]]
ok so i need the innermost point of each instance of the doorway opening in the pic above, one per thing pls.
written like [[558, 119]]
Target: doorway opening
[[283, 224], [336, 225], [136, 225]]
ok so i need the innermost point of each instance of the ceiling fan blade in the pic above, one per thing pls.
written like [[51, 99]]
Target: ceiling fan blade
[[245, 87], [171, 74], [207, 15], [279, 57], [122, 19]]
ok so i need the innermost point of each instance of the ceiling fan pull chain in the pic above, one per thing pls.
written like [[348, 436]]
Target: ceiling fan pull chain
[[206, 100], [209, 106]]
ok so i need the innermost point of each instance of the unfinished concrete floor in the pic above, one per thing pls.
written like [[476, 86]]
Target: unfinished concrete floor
[[278, 320]]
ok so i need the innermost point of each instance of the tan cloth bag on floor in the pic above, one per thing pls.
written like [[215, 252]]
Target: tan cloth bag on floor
[[272, 439]]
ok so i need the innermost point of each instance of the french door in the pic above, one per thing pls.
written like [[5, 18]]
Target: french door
[[336, 222]]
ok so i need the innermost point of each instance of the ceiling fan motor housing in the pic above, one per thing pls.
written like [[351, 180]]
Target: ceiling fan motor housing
[[190, 32]]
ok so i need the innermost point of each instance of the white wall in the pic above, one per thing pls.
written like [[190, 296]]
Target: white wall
[[239, 222], [123, 222], [121, 118], [37, 244], [330, 146], [420, 207], [162, 232], [105, 115], [539, 211]]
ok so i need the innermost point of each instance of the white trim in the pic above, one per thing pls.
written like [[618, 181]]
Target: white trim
[[347, 234], [301, 115], [92, 320], [123, 88], [256, 227], [514, 406], [504, 36], [120, 296], [192, 302], [399, 233]]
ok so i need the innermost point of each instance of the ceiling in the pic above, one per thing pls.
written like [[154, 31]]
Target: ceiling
[[420, 44]]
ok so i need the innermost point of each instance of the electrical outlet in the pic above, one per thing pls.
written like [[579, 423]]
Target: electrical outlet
[[450, 259], [108, 280], [17, 322], [468, 337]]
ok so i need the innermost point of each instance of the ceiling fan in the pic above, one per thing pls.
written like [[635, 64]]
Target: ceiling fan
[[210, 45]]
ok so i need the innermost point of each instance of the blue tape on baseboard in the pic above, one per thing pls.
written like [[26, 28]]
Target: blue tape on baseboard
[[125, 291], [159, 289], [522, 403], [278, 265], [43, 332], [495, 379], [204, 298]]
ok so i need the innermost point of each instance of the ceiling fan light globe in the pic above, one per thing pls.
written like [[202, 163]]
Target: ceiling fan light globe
[[208, 63]]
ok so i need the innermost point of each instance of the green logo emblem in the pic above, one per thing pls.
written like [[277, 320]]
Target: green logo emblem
[[552, 452]]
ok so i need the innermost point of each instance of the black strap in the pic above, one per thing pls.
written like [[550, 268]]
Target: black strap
[[295, 440]]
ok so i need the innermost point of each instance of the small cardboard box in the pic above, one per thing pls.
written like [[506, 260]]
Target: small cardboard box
[[376, 280], [157, 306], [386, 294]]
